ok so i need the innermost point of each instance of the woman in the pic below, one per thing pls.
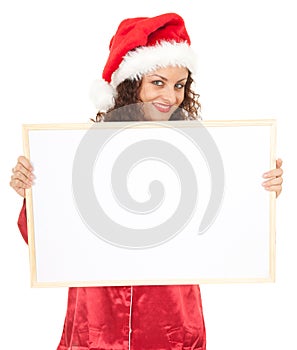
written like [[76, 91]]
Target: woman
[[150, 62]]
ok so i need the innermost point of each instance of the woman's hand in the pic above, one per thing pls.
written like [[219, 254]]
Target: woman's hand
[[274, 179], [22, 176]]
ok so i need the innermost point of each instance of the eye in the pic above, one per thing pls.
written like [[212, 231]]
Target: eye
[[158, 82], [179, 86]]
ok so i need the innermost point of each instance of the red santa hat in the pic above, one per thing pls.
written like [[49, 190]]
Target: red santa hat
[[141, 45]]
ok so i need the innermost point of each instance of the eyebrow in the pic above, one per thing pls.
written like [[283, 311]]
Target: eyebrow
[[160, 76]]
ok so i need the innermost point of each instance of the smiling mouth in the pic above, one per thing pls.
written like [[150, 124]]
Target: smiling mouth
[[162, 107]]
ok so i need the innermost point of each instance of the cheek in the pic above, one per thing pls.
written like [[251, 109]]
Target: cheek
[[180, 97], [147, 93]]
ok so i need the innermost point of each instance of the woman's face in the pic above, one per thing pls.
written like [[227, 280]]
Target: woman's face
[[163, 91]]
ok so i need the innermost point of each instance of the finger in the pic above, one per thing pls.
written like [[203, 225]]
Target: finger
[[20, 169], [274, 182], [278, 171], [25, 162], [16, 183], [273, 173], [21, 191], [20, 176], [279, 163]]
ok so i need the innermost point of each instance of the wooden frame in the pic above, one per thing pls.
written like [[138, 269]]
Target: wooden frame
[[52, 249]]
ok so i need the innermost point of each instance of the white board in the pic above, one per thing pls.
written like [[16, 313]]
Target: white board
[[207, 220]]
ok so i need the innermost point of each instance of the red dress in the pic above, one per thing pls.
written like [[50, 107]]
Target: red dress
[[131, 318]]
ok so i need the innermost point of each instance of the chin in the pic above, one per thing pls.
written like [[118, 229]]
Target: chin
[[157, 118]]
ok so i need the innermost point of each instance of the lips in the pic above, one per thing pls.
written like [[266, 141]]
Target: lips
[[161, 107]]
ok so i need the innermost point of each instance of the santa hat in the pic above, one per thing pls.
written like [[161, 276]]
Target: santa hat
[[139, 46]]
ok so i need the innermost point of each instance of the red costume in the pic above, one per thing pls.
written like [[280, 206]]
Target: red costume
[[135, 318]]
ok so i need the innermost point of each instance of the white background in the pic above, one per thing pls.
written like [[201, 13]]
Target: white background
[[50, 53]]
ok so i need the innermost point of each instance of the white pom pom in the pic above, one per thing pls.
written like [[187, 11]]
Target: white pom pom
[[102, 95]]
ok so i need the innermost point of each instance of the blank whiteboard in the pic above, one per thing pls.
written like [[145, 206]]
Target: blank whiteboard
[[193, 208]]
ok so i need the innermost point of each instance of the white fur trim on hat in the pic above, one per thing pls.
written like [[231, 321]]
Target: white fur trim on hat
[[102, 95], [145, 59]]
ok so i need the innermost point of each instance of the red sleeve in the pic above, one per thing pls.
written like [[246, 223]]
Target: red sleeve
[[22, 222]]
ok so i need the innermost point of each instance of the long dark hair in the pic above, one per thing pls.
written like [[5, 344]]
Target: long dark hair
[[128, 92]]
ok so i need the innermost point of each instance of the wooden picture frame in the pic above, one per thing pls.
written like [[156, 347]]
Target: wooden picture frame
[[237, 243]]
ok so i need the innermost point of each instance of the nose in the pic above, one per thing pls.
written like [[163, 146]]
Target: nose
[[169, 95]]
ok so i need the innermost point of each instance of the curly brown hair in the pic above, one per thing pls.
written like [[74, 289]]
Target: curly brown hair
[[128, 94]]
